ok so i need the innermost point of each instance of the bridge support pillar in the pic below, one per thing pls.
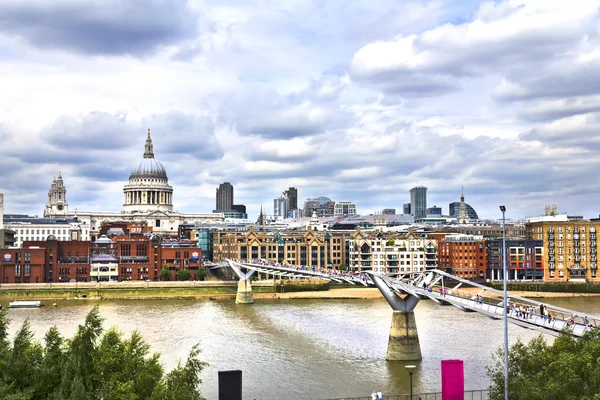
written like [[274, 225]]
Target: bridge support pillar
[[403, 344], [244, 292]]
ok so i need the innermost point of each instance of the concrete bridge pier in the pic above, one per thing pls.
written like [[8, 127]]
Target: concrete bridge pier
[[403, 343], [244, 289], [244, 292]]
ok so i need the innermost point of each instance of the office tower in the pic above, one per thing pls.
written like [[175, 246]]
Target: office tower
[[418, 201], [292, 196], [225, 196], [344, 208], [406, 209]]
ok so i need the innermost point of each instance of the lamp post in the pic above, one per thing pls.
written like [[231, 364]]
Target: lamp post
[[503, 209], [410, 369]]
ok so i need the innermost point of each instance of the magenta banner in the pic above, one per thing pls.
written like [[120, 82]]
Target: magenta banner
[[453, 380]]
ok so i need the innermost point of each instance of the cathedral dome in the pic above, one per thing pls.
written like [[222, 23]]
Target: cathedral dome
[[149, 168]]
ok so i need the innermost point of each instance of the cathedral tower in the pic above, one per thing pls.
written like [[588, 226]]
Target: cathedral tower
[[57, 198], [463, 214]]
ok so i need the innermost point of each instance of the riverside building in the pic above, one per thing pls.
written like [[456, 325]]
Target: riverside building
[[377, 252], [310, 248], [120, 255], [570, 251]]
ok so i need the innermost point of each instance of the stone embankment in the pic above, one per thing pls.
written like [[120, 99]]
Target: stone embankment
[[215, 290]]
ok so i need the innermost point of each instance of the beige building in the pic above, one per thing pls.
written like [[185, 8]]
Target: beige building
[[570, 251], [383, 253], [310, 248]]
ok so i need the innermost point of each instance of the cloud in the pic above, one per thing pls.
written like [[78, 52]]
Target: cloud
[[272, 115], [502, 37], [99, 27], [185, 134], [95, 130], [357, 102]]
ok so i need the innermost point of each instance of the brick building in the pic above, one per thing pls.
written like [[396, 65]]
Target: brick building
[[570, 252], [463, 256], [115, 258]]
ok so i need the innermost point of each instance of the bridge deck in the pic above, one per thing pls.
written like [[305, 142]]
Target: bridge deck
[[491, 308], [426, 285]]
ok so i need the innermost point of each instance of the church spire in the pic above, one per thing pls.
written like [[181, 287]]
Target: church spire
[[462, 194], [149, 148]]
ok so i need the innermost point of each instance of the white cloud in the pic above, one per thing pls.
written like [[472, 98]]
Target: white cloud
[[357, 102]]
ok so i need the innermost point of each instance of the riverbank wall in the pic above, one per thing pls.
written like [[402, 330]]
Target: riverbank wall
[[547, 287], [150, 290]]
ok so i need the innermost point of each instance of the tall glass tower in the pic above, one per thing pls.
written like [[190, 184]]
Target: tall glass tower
[[418, 201]]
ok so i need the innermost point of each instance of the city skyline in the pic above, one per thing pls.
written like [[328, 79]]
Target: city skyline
[[357, 103]]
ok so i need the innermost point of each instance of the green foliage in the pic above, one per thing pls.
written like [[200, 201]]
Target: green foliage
[[165, 273], [569, 369], [93, 365], [184, 274], [202, 273]]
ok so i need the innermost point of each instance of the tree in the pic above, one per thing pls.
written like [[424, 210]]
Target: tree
[[94, 364], [184, 274], [202, 273], [569, 369], [165, 273]]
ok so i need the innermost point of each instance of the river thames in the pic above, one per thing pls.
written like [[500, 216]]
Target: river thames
[[301, 349]]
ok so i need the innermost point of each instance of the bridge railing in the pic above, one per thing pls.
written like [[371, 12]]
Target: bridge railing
[[561, 319], [482, 394]]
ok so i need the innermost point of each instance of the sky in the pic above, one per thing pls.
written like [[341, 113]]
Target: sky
[[353, 100]]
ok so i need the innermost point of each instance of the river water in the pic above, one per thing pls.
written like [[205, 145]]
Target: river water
[[301, 349]]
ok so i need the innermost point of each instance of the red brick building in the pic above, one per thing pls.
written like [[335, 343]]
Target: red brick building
[[23, 265], [463, 256], [138, 257]]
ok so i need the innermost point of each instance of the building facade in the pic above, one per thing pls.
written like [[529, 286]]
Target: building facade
[[418, 201], [344, 209], [570, 247], [321, 206], [454, 207], [224, 196], [310, 248], [374, 251], [524, 259], [463, 256], [120, 256]]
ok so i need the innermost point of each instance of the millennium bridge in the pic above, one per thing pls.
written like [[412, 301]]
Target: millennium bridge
[[403, 292]]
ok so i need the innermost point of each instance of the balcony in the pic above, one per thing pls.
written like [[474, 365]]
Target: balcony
[[134, 259]]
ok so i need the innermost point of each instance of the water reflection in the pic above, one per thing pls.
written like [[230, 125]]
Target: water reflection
[[303, 349]]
